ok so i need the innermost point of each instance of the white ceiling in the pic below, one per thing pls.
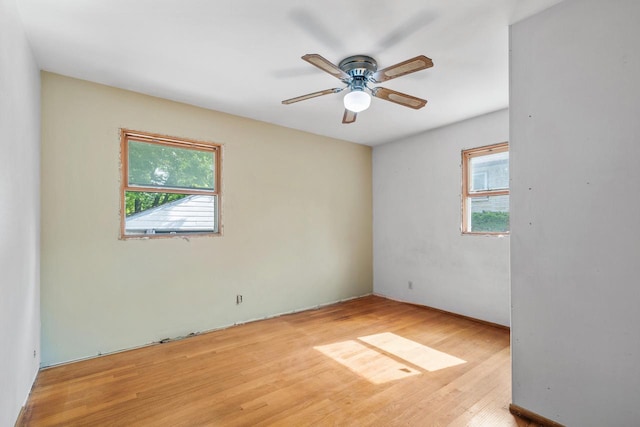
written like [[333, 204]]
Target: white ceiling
[[243, 56]]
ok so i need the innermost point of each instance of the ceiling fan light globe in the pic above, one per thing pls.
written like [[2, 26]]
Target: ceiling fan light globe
[[357, 100]]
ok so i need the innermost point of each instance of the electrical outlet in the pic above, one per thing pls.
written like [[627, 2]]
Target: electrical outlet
[[410, 284], [238, 299], [34, 354]]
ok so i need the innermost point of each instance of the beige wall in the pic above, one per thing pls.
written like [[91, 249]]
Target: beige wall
[[296, 216]]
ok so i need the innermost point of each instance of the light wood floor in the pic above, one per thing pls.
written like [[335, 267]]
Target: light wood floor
[[369, 361]]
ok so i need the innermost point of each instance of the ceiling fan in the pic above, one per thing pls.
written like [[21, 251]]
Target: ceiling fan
[[357, 72]]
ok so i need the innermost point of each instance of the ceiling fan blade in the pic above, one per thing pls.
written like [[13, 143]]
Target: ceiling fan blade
[[399, 98], [407, 28], [349, 116], [412, 65], [309, 22], [311, 95], [326, 66]]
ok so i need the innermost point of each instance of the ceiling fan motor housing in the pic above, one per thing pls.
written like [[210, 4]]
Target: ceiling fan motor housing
[[360, 68]]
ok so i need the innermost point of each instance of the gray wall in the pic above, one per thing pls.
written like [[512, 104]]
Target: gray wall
[[416, 225], [575, 243], [19, 215]]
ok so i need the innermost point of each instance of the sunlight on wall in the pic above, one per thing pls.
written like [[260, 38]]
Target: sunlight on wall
[[368, 359]]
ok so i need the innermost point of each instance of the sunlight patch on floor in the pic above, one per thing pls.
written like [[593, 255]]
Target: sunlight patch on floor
[[415, 353], [366, 362], [378, 367]]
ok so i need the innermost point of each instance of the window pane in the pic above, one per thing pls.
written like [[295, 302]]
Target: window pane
[[169, 213], [480, 181], [488, 214], [490, 172], [167, 166]]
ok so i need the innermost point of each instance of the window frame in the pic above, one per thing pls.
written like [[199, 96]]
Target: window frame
[[127, 135], [467, 155]]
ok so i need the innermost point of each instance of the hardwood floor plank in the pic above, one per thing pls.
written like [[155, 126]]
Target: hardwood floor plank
[[363, 362]]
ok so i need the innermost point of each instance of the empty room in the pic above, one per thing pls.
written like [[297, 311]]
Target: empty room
[[297, 213]]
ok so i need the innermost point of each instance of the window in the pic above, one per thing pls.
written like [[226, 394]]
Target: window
[[485, 190], [170, 186]]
